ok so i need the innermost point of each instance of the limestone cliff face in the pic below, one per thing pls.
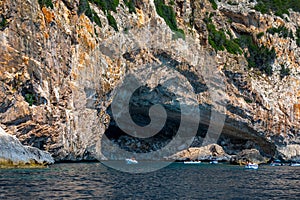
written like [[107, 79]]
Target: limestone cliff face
[[60, 68]]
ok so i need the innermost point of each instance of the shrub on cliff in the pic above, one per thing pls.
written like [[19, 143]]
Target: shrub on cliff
[[281, 31], [259, 35], [217, 39], [298, 37], [130, 5], [168, 14], [213, 4], [284, 71], [278, 7], [107, 5], [30, 98], [259, 57], [3, 23], [46, 3], [85, 8], [112, 22]]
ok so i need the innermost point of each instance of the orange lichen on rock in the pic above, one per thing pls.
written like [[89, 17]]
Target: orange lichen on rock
[[88, 42], [298, 93], [89, 27], [86, 23], [46, 35], [108, 61], [85, 33], [82, 58], [297, 112], [25, 60], [279, 22], [74, 75], [141, 20], [49, 16]]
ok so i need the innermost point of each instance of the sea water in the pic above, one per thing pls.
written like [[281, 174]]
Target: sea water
[[176, 181]]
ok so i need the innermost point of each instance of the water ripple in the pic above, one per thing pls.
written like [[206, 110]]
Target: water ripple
[[177, 181]]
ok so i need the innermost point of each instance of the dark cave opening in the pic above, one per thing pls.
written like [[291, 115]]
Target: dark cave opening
[[140, 103]]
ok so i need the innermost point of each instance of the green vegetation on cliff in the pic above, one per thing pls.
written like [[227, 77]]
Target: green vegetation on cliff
[[3, 22], [130, 5], [213, 4], [278, 7], [282, 32], [85, 8], [112, 22], [259, 35], [259, 57], [284, 71], [298, 37], [30, 99], [47, 3], [106, 5], [96, 18], [168, 14], [217, 39]]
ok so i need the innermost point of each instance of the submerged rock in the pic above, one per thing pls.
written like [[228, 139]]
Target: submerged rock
[[205, 153], [14, 154], [252, 155]]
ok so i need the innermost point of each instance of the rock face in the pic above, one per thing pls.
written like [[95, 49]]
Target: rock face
[[14, 154], [60, 68], [206, 153], [290, 152], [251, 155]]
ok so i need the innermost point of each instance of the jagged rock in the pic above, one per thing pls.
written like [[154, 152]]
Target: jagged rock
[[251, 155], [206, 153], [14, 154]]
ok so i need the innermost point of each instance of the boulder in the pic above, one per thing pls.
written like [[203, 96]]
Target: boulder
[[205, 153], [14, 154], [252, 155]]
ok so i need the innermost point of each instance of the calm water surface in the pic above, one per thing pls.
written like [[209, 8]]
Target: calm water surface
[[177, 181]]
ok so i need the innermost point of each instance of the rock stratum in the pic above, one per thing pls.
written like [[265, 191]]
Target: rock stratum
[[62, 62]]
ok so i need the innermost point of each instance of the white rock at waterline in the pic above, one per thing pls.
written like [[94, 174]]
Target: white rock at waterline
[[12, 150]]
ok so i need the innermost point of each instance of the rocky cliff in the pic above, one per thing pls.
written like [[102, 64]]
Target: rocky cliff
[[63, 62]]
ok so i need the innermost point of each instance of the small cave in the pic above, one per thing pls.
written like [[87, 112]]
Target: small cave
[[233, 145], [141, 145], [30, 95], [36, 141]]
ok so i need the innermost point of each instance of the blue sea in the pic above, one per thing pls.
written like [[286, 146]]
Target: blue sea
[[176, 181]]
